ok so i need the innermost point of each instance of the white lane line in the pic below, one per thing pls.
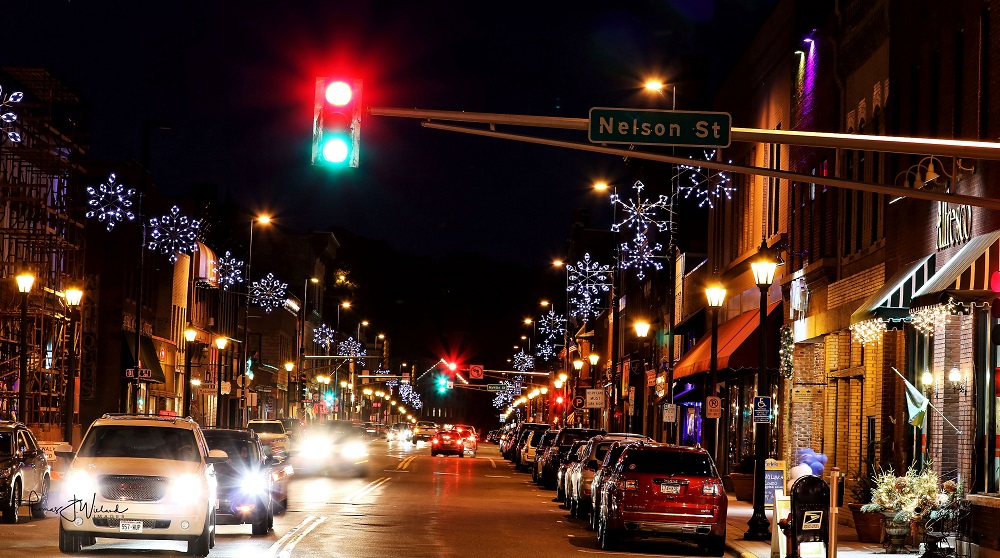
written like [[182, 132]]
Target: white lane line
[[494, 463], [443, 473], [287, 551], [278, 543], [498, 476], [366, 490], [395, 471]]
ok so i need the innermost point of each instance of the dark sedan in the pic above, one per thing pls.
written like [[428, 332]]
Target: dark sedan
[[245, 482], [24, 473]]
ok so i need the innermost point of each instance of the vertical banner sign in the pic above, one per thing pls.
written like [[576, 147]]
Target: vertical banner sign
[[774, 479]]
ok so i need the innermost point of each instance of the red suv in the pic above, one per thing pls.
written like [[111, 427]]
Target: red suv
[[671, 491]]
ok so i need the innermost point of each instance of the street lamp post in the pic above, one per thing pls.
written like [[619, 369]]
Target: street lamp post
[[73, 297], [716, 296], [594, 359], [642, 332], [190, 335], [763, 274], [291, 388], [220, 344], [24, 282], [264, 220]]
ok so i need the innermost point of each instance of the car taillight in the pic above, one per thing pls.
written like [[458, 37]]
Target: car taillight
[[434, 440], [628, 484], [711, 489]]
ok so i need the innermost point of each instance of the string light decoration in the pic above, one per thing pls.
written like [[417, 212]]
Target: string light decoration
[[786, 352], [523, 361], [640, 213], [269, 293], [587, 280], [351, 347], [8, 118], [410, 396], [639, 253], [552, 325], [511, 389], [174, 234], [324, 336], [545, 350], [110, 202], [706, 185], [927, 317], [869, 331], [228, 271]]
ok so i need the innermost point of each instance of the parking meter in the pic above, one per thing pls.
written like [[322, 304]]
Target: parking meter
[[808, 523]]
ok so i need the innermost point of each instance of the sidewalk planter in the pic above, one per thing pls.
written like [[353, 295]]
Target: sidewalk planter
[[742, 486], [897, 532], [867, 524]]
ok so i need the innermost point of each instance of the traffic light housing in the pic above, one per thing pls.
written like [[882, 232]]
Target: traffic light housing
[[337, 122], [442, 383]]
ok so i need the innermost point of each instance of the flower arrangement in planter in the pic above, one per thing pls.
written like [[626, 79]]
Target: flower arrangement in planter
[[906, 502]]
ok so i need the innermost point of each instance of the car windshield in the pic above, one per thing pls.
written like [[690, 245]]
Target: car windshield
[[151, 442], [5, 443], [669, 463], [570, 437], [266, 427], [426, 424], [291, 425], [239, 450]]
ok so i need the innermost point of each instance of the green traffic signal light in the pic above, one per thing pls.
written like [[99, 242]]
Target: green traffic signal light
[[337, 123]]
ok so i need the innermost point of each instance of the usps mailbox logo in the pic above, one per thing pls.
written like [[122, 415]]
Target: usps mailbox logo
[[812, 520]]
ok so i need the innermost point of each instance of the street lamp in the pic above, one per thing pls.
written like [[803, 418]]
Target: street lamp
[[220, 343], [190, 335], [716, 296], [345, 305], [292, 390], [263, 220], [24, 282], [73, 298], [763, 274]]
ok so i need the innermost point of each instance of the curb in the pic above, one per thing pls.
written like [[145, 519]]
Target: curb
[[739, 552]]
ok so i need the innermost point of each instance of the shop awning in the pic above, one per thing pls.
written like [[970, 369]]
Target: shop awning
[[147, 356], [734, 349], [205, 266], [966, 276], [892, 301]]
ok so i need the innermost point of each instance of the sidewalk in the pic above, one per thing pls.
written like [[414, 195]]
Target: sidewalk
[[740, 512]]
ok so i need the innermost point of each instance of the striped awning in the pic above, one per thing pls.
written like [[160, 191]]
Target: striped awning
[[892, 301], [966, 276]]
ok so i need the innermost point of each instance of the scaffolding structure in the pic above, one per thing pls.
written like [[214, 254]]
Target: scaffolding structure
[[41, 231]]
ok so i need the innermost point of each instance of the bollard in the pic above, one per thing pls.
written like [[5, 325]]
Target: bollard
[[831, 549]]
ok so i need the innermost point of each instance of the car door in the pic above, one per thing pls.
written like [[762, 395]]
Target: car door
[[33, 462]]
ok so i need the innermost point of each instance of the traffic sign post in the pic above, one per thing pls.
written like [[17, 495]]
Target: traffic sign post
[[659, 127], [713, 407], [761, 409], [494, 387], [476, 371], [579, 402], [141, 373], [595, 399]]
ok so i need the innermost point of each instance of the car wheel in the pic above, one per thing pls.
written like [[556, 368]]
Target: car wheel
[[68, 542], [715, 546], [38, 508], [259, 527], [574, 508], [200, 545], [607, 539], [12, 507]]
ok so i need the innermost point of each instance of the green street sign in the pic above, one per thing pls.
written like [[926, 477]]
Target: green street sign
[[494, 387], [659, 127]]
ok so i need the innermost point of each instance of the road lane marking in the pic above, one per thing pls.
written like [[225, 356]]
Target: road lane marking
[[395, 471], [368, 489], [287, 551], [280, 542], [494, 463], [406, 462], [498, 476]]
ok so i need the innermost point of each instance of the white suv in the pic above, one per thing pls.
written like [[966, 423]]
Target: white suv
[[140, 477]]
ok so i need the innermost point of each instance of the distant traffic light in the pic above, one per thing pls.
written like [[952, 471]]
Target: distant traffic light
[[337, 122], [442, 384]]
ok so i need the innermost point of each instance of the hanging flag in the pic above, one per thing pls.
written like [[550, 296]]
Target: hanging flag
[[916, 405]]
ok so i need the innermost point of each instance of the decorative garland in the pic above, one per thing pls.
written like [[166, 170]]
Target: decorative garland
[[869, 331], [786, 352]]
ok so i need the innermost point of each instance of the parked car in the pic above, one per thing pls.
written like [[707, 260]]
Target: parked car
[[667, 490], [155, 476], [272, 436], [245, 485], [424, 431], [559, 450], [528, 451], [561, 477], [493, 437], [597, 485], [448, 442], [540, 453], [510, 451], [580, 474], [25, 474]]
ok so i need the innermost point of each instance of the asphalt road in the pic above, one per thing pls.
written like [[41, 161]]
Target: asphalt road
[[410, 505]]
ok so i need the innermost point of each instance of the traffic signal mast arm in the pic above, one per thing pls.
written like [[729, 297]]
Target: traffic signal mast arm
[[892, 144]]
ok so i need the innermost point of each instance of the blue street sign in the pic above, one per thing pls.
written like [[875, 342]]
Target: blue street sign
[[761, 409]]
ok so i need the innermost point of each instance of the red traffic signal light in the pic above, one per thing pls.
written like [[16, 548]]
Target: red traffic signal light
[[337, 122], [559, 400]]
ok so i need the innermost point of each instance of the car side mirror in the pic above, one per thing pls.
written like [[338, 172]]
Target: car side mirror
[[29, 454], [217, 456]]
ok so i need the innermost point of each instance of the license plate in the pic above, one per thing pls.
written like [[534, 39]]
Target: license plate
[[670, 488], [130, 526]]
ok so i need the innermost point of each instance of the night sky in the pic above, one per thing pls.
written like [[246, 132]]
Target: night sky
[[235, 81]]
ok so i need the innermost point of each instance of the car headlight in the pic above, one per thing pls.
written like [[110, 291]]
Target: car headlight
[[354, 450], [186, 487], [253, 484], [79, 484], [316, 446], [289, 470]]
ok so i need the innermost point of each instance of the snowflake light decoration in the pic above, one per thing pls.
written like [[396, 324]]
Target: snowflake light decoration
[[523, 361], [269, 293], [545, 350], [110, 202], [552, 325], [228, 271], [410, 396], [706, 185], [640, 213], [511, 389], [639, 253], [351, 347], [587, 280], [324, 335], [174, 233], [9, 117]]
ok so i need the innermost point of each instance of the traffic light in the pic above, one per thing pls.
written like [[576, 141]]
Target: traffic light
[[337, 122], [442, 384]]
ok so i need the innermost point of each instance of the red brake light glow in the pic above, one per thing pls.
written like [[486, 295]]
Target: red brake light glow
[[434, 440], [631, 484]]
